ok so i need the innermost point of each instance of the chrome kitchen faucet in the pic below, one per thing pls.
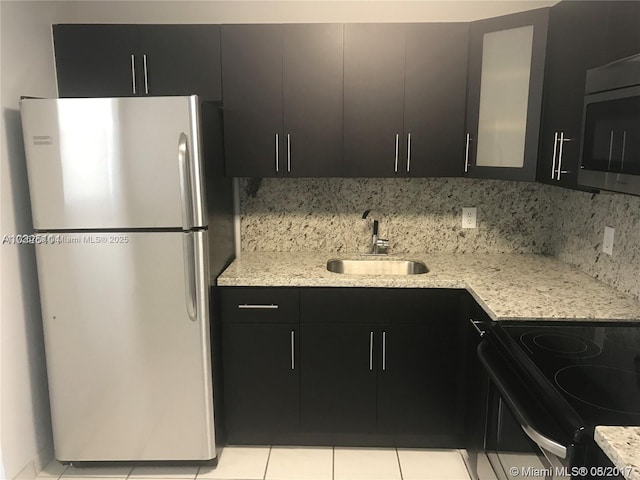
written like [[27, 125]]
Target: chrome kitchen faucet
[[379, 246]]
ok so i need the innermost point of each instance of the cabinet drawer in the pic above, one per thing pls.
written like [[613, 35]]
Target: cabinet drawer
[[359, 305], [259, 304]]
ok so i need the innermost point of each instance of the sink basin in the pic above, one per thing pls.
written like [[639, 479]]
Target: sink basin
[[377, 267]]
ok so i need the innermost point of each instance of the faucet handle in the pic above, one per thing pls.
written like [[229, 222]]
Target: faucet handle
[[381, 246]]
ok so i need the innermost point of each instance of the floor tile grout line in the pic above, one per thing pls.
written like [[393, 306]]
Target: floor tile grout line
[[460, 450], [266, 467], [399, 464], [333, 463]]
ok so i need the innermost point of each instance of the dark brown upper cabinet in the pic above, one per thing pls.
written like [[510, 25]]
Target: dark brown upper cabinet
[[623, 30], [283, 99], [435, 98], [504, 96], [576, 30], [582, 35], [404, 99], [138, 60]]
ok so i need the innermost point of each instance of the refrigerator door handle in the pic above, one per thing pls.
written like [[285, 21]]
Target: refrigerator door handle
[[185, 181], [188, 252]]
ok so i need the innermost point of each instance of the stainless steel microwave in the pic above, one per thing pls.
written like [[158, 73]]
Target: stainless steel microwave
[[611, 127]]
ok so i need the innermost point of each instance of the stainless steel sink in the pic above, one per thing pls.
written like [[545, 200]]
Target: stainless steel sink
[[377, 267]]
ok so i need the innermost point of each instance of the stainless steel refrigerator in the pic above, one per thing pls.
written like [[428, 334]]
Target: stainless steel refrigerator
[[117, 197]]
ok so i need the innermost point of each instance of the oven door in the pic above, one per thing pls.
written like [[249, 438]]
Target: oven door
[[521, 440]]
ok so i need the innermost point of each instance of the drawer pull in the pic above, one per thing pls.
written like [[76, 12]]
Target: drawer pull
[[258, 307]]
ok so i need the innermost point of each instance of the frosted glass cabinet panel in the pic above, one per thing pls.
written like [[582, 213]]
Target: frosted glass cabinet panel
[[504, 98]]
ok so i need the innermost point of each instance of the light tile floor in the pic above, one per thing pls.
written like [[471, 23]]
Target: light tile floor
[[291, 463]]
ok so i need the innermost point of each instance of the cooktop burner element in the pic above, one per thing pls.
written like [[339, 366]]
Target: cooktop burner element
[[559, 344], [595, 368], [607, 388]]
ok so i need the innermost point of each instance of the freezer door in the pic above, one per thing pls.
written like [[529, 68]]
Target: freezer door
[[114, 163], [127, 346]]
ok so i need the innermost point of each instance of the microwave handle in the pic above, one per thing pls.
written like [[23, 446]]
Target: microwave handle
[[544, 442]]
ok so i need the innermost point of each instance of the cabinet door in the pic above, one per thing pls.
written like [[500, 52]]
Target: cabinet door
[[96, 60], [312, 81], [180, 60], [252, 99], [435, 97], [419, 377], [504, 97], [261, 381], [575, 37], [338, 379], [623, 33], [374, 61]]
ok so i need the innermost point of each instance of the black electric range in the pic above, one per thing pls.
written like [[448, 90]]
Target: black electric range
[[556, 381], [594, 367]]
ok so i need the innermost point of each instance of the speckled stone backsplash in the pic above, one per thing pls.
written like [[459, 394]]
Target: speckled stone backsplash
[[424, 216], [581, 218], [416, 215]]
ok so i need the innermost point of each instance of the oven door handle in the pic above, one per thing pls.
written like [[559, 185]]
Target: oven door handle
[[497, 374]]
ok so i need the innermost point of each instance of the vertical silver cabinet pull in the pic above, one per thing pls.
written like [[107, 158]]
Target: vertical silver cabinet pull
[[624, 145], [146, 79], [133, 74], [408, 152], [370, 351], [288, 152], [561, 141], [384, 351], [610, 149], [277, 155], [555, 152], [293, 350], [466, 154], [395, 168]]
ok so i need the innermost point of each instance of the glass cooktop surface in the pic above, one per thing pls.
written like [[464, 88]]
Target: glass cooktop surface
[[596, 368]]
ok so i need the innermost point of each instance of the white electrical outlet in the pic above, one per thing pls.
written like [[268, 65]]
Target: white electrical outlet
[[607, 242], [469, 215]]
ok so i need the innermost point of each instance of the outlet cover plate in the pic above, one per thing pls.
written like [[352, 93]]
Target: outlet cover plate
[[607, 242], [469, 217]]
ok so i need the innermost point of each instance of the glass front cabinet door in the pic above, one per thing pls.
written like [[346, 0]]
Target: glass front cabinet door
[[504, 98]]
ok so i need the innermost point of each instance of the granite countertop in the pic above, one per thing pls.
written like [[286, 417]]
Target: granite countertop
[[622, 446], [507, 286]]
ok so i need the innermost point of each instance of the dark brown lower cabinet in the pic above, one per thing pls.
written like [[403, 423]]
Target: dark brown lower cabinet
[[261, 383], [338, 379], [359, 366], [418, 379]]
